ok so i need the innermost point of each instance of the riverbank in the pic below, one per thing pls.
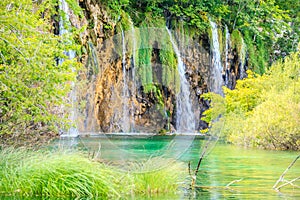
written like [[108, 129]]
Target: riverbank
[[134, 135]]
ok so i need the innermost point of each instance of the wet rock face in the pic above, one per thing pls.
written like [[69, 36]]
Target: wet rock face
[[115, 110], [147, 112]]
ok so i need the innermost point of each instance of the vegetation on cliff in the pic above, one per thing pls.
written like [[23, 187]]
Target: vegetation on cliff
[[271, 27], [263, 110], [34, 85]]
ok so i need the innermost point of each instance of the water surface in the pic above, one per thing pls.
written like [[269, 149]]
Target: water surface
[[257, 170]]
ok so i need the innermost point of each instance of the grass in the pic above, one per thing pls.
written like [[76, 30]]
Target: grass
[[73, 175], [158, 176]]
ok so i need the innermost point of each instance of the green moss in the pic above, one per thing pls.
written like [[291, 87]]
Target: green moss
[[221, 40], [238, 43], [258, 54], [124, 22], [144, 59], [170, 75], [73, 4], [209, 32]]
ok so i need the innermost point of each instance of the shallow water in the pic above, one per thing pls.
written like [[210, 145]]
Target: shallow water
[[257, 170]]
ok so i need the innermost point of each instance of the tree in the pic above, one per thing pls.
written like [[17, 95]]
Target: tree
[[263, 111], [33, 85]]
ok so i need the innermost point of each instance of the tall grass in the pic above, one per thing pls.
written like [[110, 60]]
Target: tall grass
[[158, 176], [73, 175], [62, 174]]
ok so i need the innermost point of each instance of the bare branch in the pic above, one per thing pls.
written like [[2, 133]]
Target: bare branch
[[232, 182], [283, 174], [288, 183], [13, 46]]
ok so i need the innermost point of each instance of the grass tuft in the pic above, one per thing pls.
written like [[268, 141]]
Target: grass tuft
[[73, 175]]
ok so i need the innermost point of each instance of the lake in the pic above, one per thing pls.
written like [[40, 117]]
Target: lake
[[255, 171]]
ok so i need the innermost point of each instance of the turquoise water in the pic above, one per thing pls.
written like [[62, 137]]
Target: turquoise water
[[257, 170]]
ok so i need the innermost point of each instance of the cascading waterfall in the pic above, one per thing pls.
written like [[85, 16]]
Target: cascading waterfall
[[133, 86], [185, 119], [63, 28], [243, 73], [227, 47], [216, 72], [125, 126], [71, 55], [92, 72]]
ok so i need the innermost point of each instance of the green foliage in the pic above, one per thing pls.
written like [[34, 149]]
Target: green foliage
[[266, 22], [217, 105], [145, 57], [124, 23], [290, 38], [264, 110], [257, 54], [170, 76], [115, 7], [32, 85], [237, 42], [263, 23], [73, 4]]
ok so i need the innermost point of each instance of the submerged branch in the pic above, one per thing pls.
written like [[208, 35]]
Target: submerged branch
[[283, 174], [288, 183], [232, 182]]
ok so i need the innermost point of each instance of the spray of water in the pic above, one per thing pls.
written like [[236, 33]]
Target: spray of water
[[216, 71], [185, 119], [63, 29], [125, 126]]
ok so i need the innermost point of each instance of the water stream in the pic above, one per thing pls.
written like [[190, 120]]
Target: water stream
[[242, 69], [93, 69], [64, 29], [133, 79], [216, 71], [125, 126], [185, 119], [227, 49]]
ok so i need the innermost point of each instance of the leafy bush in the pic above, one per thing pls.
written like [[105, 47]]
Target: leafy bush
[[33, 86], [263, 111]]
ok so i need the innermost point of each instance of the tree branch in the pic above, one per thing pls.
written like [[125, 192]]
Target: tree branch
[[232, 182], [282, 175], [288, 183]]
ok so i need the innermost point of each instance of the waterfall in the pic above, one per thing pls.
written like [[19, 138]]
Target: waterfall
[[63, 29], [89, 123], [133, 85], [125, 126], [243, 73], [227, 48], [216, 72], [185, 119]]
